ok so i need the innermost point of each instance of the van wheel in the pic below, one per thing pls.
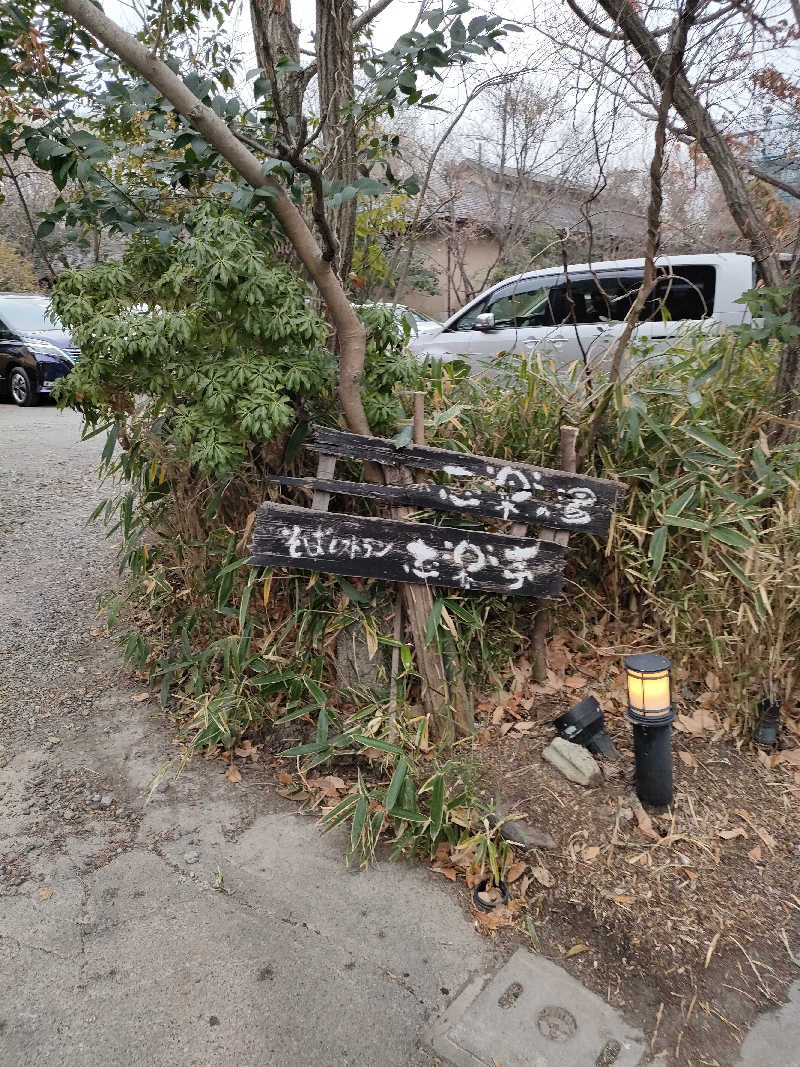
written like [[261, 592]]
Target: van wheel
[[21, 389]]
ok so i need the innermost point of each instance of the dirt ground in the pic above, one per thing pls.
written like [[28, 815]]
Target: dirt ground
[[690, 918]]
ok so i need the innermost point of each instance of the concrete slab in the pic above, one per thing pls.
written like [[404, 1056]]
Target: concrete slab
[[775, 1039], [534, 1014]]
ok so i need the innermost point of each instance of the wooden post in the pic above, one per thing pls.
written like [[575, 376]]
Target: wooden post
[[418, 603], [326, 469], [541, 620], [458, 697]]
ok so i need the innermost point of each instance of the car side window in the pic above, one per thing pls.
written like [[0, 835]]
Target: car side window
[[681, 293], [5, 333], [467, 320], [685, 292], [525, 303], [581, 300]]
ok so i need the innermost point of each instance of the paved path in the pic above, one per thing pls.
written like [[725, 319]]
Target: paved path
[[209, 926]]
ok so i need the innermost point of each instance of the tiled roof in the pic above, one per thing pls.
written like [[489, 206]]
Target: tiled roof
[[463, 195]]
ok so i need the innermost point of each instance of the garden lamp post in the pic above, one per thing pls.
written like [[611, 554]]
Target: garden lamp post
[[650, 711]]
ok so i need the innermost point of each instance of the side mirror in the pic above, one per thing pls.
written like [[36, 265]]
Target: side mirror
[[485, 321]]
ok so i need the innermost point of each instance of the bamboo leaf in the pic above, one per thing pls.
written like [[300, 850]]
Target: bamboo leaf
[[433, 621], [658, 543], [726, 536], [686, 524], [359, 818], [710, 442], [374, 742], [396, 783], [437, 805]]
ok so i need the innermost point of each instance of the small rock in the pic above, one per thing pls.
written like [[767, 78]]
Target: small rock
[[527, 837], [106, 800], [191, 857], [573, 761]]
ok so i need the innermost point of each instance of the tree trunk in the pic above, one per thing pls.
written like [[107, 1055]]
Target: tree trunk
[[335, 82], [275, 35]]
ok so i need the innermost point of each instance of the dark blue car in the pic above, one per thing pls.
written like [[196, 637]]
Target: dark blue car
[[34, 349]]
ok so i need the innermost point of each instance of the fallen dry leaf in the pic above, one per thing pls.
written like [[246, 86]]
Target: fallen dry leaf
[[247, 750], [330, 785], [591, 853], [687, 758], [755, 854], [498, 715], [140, 697], [233, 775], [623, 898], [543, 876], [96, 631], [697, 723], [767, 838], [504, 915], [712, 946], [448, 872], [284, 778], [764, 759], [712, 681], [576, 949], [515, 871], [442, 855], [54, 740], [644, 821], [45, 894], [790, 755], [575, 681], [728, 835]]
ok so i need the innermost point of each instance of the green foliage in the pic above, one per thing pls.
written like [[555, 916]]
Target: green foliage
[[377, 226], [420, 809], [212, 332], [388, 364], [205, 362], [16, 274]]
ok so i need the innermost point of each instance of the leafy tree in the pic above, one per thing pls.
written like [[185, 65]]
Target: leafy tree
[[211, 348]]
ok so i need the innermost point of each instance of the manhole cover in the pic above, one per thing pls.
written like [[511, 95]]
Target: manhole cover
[[556, 1024]]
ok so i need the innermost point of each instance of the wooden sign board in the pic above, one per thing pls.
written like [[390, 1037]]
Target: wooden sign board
[[517, 492], [394, 551]]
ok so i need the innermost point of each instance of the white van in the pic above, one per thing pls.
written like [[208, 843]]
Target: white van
[[574, 316]]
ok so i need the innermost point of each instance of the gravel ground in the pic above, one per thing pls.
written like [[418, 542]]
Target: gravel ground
[[204, 924]]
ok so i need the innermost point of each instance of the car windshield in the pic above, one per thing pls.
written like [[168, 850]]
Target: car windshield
[[30, 315]]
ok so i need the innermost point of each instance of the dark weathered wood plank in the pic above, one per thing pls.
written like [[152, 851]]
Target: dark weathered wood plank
[[562, 514], [390, 550], [520, 482]]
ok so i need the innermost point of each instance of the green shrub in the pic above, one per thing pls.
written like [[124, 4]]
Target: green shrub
[[205, 361], [706, 556]]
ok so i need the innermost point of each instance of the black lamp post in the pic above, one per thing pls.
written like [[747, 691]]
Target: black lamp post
[[650, 711]]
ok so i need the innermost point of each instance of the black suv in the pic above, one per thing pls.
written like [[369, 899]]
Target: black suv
[[34, 349]]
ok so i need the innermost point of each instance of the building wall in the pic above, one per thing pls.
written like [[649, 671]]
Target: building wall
[[479, 256]]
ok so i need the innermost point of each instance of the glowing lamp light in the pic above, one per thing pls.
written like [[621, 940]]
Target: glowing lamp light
[[649, 691]]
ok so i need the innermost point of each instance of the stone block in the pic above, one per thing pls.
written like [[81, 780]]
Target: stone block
[[573, 761]]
